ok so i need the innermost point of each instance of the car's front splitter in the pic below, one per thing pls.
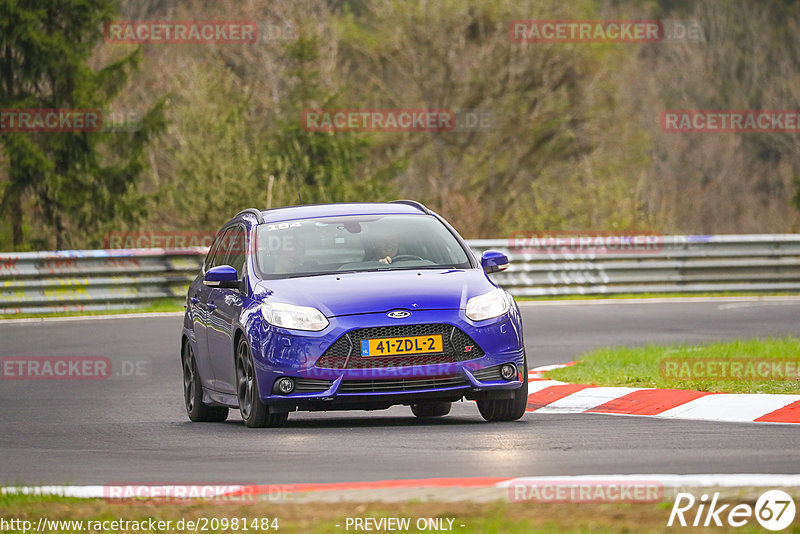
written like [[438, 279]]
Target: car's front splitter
[[399, 385]]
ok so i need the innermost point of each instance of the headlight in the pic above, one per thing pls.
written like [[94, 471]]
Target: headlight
[[489, 305], [293, 317]]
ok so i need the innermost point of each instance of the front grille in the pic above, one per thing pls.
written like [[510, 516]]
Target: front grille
[[488, 374], [400, 385], [345, 352], [311, 385]]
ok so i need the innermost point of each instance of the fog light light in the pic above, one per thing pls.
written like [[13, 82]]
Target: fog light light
[[284, 386], [508, 371]]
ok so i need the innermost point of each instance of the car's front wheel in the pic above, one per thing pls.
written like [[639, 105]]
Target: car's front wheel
[[193, 392], [431, 409], [507, 409], [254, 412]]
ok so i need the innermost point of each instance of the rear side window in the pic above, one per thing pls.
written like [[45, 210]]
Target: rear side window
[[236, 249], [218, 250]]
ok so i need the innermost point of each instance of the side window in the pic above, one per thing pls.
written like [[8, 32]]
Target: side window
[[237, 249], [211, 251], [216, 254]]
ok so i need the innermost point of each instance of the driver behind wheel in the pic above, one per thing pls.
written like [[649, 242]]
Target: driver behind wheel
[[387, 247], [290, 256]]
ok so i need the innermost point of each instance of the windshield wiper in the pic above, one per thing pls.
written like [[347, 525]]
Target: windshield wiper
[[389, 268], [378, 270], [303, 275], [323, 273]]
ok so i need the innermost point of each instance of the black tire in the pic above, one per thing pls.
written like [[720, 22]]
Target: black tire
[[507, 409], [255, 413], [193, 392], [431, 409]]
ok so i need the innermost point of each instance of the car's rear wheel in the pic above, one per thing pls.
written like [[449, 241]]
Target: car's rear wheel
[[507, 409], [193, 392], [431, 409], [254, 412]]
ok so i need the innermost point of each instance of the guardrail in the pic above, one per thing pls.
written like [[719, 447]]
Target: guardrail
[[668, 264], [44, 282], [89, 280]]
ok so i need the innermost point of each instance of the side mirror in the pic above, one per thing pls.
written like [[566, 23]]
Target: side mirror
[[222, 276], [494, 261]]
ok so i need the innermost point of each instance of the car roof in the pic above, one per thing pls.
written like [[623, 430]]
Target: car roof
[[309, 211]]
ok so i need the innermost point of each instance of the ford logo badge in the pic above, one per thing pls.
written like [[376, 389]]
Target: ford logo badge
[[398, 314]]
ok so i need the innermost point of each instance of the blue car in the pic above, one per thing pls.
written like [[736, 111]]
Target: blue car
[[356, 306]]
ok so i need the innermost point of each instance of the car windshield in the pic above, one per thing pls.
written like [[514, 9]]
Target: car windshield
[[308, 247]]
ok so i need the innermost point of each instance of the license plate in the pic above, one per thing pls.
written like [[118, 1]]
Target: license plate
[[393, 346]]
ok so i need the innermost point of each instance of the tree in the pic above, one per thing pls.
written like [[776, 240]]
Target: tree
[[214, 166], [314, 167], [77, 181]]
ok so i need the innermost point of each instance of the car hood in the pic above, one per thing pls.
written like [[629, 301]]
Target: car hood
[[374, 292]]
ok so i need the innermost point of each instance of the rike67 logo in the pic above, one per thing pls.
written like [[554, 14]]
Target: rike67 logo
[[774, 510]]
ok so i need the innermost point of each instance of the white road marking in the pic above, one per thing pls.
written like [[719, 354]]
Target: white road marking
[[586, 399], [731, 407], [666, 480]]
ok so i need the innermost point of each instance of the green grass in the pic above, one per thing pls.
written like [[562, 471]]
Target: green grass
[[602, 296], [170, 304], [642, 366], [321, 518]]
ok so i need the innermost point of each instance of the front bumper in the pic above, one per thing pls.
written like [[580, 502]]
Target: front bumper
[[346, 393], [286, 354]]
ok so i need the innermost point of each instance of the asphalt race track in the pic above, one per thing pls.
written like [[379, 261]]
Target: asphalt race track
[[132, 428]]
